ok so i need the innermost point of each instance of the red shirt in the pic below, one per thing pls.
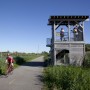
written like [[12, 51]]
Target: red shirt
[[9, 59]]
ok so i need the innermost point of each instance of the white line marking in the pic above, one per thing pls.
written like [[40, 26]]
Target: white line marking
[[11, 81]]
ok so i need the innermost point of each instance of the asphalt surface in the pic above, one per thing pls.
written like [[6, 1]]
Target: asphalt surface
[[25, 77]]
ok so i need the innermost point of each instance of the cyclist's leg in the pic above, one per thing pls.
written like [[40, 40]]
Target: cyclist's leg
[[12, 67], [8, 69]]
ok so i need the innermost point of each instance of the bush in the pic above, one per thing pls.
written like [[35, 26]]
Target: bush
[[86, 62], [19, 60], [67, 78], [47, 59], [87, 47]]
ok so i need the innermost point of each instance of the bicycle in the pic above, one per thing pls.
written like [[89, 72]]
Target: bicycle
[[10, 69]]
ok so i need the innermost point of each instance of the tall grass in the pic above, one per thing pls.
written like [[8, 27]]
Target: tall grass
[[67, 78]]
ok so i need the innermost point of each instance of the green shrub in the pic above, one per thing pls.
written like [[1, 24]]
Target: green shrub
[[47, 59], [87, 47], [19, 60]]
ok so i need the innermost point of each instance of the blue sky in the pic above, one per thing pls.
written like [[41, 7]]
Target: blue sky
[[23, 23]]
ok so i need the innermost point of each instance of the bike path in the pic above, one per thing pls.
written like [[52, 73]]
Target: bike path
[[25, 77]]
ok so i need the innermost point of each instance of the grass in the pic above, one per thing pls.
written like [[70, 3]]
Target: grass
[[67, 78]]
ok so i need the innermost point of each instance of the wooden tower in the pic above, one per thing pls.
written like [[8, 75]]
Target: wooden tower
[[69, 49]]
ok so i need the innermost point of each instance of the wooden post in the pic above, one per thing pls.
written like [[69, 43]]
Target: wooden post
[[83, 39], [53, 43], [69, 41], [83, 30], [68, 31]]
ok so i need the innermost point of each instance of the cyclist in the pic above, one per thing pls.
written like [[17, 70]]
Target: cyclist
[[9, 61]]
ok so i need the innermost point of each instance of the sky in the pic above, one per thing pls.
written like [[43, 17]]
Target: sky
[[23, 23]]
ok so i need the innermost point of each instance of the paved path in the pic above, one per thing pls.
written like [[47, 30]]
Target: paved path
[[26, 77]]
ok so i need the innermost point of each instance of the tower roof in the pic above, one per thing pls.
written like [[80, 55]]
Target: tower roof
[[63, 20]]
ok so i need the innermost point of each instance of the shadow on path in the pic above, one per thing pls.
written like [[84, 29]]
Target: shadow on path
[[34, 64]]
